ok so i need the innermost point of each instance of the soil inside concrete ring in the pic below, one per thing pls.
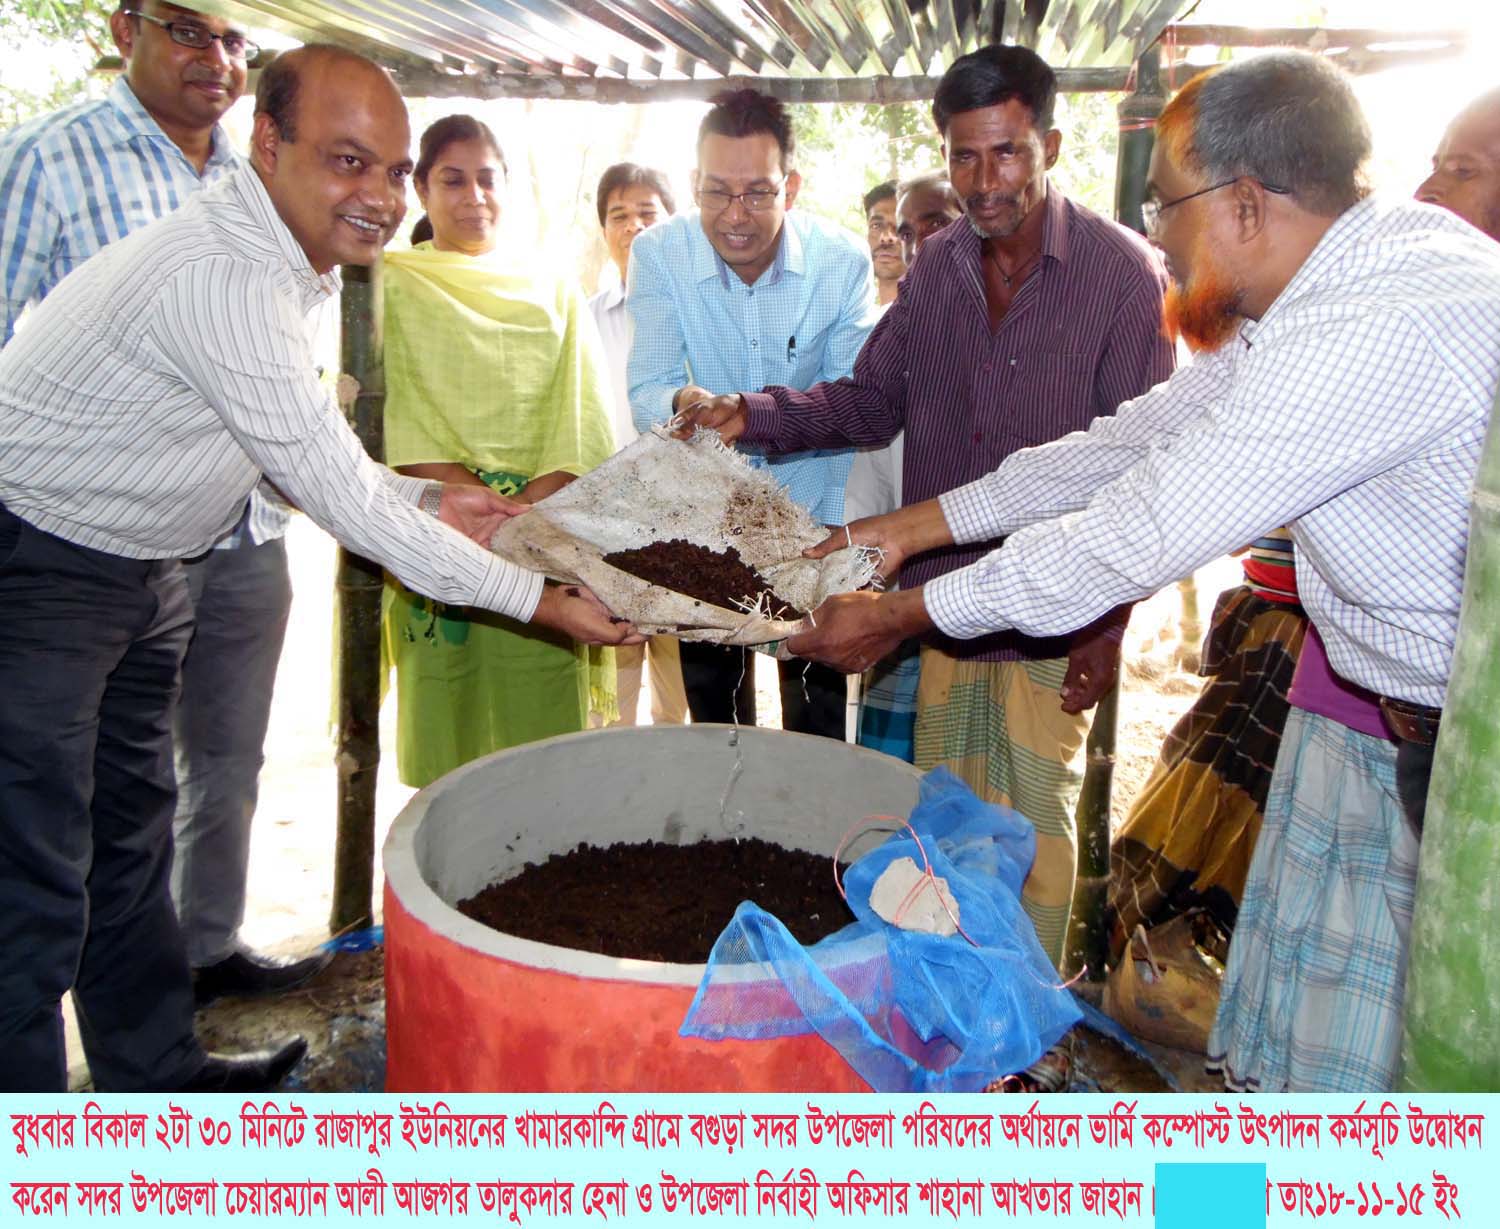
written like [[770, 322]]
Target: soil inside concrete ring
[[721, 578], [661, 902]]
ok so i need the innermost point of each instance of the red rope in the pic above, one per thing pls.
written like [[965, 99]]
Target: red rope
[[871, 821]]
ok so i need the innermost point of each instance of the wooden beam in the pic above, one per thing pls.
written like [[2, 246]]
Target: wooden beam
[[436, 84], [1313, 38]]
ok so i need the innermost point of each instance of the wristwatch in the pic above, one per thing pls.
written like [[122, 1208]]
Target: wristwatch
[[432, 499]]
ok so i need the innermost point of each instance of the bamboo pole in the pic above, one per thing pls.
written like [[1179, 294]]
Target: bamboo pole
[[1451, 1041], [1087, 941], [1087, 944], [358, 586]]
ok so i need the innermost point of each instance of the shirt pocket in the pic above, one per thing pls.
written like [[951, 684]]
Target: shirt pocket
[[1053, 395], [801, 358]]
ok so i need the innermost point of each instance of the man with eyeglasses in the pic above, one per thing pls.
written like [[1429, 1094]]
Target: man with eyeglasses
[[1345, 378], [76, 181], [747, 291], [1025, 321]]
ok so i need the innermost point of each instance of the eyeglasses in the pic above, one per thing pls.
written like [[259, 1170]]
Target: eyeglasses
[[757, 201], [187, 34], [1151, 211]]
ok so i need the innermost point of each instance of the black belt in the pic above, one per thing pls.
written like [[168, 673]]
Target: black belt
[[1411, 723]]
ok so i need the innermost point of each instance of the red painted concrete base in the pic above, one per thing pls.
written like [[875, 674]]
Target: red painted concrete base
[[466, 1021]]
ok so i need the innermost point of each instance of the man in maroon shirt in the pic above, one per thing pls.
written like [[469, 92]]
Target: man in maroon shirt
[[1017, 324]]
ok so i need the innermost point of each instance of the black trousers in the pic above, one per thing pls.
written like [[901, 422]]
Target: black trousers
[[720, 687], [88, 677]]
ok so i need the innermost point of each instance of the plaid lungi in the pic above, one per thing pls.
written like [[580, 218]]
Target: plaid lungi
[[888, 707], [1000, 728], [1317, 967]]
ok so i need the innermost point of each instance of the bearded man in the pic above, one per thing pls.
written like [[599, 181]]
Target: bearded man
[[1022, 322], [1350, 371]]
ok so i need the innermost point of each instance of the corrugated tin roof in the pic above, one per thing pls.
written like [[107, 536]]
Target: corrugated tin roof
[[656, 40]]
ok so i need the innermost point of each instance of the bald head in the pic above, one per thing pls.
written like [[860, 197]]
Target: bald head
[[315, 66], [1466, 168], [332, 146]]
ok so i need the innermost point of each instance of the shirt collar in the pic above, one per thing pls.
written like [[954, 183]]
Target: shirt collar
[[614, 296], [246, 188], [1324, 257], [136, 124], [707, 263]]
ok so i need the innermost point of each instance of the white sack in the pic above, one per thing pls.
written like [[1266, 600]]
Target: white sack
[[657, 489]]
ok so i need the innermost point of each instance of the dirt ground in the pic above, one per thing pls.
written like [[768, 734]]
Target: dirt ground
[[342, 1013]]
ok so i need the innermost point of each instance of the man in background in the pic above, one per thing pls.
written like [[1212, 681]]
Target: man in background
[[924, 205], [1466, 167], [743, 292], [631, 199], [885, 247]]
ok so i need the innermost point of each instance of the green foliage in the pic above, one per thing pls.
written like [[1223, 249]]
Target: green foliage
[[59, 21], [845, 149], [59, 42]]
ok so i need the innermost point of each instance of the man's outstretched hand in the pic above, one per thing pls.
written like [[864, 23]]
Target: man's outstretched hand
[[697, 407], [853, 631], [1093, 667], [476, 511], [575, 611], [897, 535]]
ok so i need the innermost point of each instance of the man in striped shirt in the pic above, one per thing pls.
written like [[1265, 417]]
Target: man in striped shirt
[[139, 407], [1022, 322], [70, 183]]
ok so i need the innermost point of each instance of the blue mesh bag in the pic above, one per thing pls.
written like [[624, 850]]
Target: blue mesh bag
[[909, 1011]]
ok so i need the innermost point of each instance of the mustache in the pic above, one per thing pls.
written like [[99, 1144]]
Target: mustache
[[198, 73], [990, 200]]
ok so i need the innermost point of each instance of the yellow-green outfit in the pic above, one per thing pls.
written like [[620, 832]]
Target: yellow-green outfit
[[501, 372]]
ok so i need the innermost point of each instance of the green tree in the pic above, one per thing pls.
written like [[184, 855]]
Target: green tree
[[59, 42], [844, 149]]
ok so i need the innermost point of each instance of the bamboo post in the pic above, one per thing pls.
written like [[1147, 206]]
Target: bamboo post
[[1451, 1041], [358, 587], [1087, 942]]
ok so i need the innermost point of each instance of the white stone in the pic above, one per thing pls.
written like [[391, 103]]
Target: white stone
[[904, 888]]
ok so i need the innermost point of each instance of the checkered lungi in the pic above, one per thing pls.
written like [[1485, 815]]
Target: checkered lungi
[[1317, 967], [999, 727], [888, 707]]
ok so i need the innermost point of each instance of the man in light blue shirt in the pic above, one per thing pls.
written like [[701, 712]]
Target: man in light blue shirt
[[71, 183], [742, 293]]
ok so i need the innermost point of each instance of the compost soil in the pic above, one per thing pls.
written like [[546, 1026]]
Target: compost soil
[[720, 578], [661, 902]]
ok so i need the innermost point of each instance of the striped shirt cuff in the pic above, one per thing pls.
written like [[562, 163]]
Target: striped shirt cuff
[[954, 605], [761, 417], [408, 489], [969, 513], [510, 590]]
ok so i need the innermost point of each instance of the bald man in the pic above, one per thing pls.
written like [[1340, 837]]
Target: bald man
[[1466, 168], [146, 398]]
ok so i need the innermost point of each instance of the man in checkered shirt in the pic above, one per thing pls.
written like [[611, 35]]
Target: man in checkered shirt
[[1347, 365]]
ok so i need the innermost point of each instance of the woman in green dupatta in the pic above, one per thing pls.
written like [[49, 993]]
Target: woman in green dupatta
[[493, 376]]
